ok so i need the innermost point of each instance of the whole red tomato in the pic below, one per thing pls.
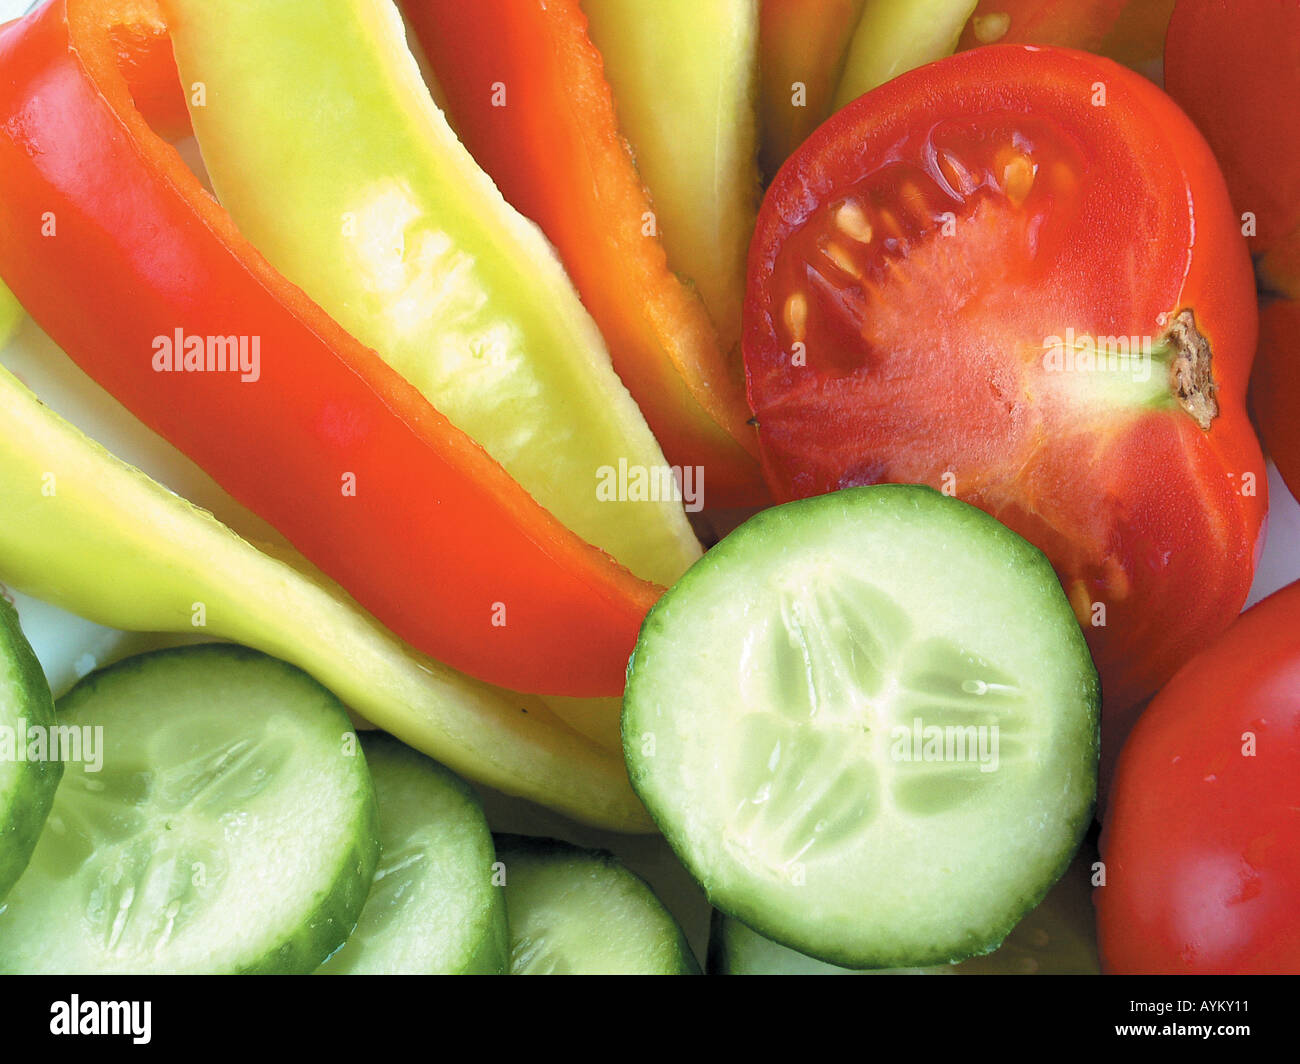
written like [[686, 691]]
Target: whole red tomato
[[1235, 68], [1201, 842], [1015, 275]]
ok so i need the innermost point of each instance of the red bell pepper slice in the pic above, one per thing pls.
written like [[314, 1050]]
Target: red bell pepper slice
[[115, 248]]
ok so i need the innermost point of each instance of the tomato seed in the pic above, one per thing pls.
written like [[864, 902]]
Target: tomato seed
[[796, 315], [959, 179], [1017, 177], [852, 221]]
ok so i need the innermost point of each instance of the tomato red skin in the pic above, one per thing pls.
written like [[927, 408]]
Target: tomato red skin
[[1275, 387], [1201, 840], [1173, 474], [436, 531], [1235, 67]]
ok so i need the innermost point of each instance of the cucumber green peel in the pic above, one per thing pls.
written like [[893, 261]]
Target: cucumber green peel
[[581, 912], [867, 725], [27, 785], [227, 823], [325, 146], [87, 532], [433, 908]]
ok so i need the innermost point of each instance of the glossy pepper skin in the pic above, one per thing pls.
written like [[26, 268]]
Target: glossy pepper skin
[[114, 546], [556, 152], [330, 445]]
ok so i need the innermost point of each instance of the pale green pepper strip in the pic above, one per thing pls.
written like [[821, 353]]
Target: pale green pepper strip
[[87, 532], [685, 79], [894, 37], [325, 146], [11, 314]]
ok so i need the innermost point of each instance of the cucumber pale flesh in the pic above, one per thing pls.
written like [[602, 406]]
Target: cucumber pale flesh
[[228, 824], [581, 912], [433, 908], [867, 724]]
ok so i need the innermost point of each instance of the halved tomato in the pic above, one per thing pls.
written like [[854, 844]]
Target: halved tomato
[[1014, 275]]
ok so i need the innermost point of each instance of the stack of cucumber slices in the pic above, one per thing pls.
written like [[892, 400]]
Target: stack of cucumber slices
[[866, 724], [219, 814]]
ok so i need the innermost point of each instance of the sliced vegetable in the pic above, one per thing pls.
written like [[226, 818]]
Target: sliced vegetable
[[1201, 843], [942, 292], [1083, 24], [28, 772], [802, 48], [11, 314], [526, 90], [227, 823], [867, 725], [1137, 38], [1131, 32], [89, 533], [734, 949], [1235, 69], [685, 77], [311, 430], [1057, 938], [433, 908], [580, 912], [325, 146], [893, 38]]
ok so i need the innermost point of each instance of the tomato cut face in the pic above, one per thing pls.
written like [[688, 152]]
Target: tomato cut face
[[1014, 276]]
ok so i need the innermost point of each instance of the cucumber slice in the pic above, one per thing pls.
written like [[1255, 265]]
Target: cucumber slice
[[231, 826], [581, 912], [1057, 938], [26, 786], [735, 949], [791, 702], [433, 908]]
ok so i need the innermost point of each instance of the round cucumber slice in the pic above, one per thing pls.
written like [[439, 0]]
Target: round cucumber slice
[[433, 908], [867, 724], [229, 826], [581, 912], [1057, 938], [27, 783]]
